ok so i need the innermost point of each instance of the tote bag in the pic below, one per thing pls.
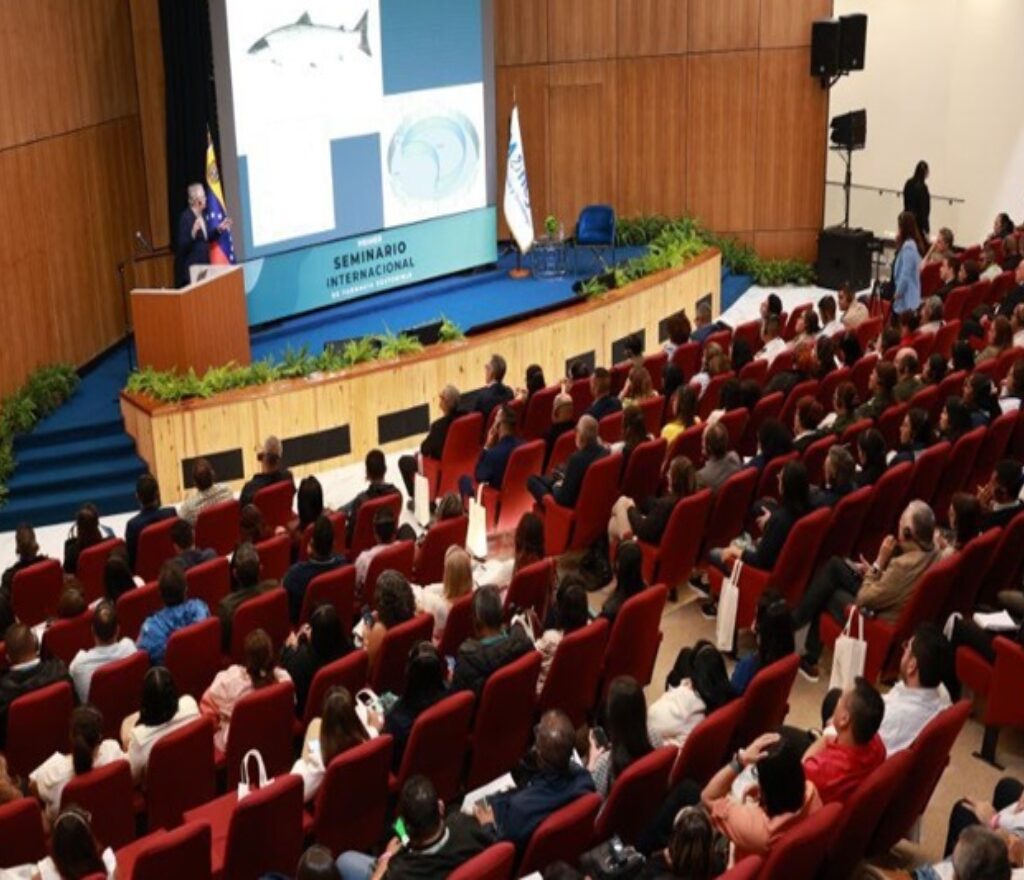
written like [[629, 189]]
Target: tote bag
[[728, 604], [849, 654]]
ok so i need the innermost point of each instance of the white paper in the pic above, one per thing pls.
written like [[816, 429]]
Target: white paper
[[999, 621], [495, 786]]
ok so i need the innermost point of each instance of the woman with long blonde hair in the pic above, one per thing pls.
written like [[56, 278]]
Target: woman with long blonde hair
[[437, 599]]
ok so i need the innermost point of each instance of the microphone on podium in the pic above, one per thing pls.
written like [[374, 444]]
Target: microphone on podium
[[143, 242]]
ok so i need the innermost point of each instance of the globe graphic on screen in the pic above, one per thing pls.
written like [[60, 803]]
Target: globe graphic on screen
[[435, 157]]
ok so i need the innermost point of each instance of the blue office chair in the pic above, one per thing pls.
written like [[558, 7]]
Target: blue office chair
[[595, 230]]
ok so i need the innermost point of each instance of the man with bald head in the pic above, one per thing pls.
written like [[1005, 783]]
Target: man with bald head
[[565, 488], [448, 402], [562, 421], [192, 241], [559, 781]]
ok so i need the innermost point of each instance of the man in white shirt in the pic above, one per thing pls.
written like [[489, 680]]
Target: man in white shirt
[[854, 312], [919, 695], [830, 324], [774, 344], [208, 491], [108, 649]]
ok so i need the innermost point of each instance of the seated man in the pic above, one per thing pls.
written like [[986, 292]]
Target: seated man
[[1000, 496], [377, 486], [384, 530], [495, 392], [838, 762], [183, 537], [27, 550], [27, 672], [932, 312], [720, 462], [493, 458], [433, 444], [978, 853], [178, 612], [605, 403], [245, 585], [108, 648], [514, 815], [492, 645], [771, 337], [919, 695], [436, 844], [881, 588], [562, 421], [271, 470], [208, 491], [840, 470], [854, 311], [565, 490], [147, 493], [322, 558]]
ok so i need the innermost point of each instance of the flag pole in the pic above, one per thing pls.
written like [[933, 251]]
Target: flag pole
[[519, 272]]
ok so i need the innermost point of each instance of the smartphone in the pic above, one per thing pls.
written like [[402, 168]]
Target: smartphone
[[618, 850], [365, 698], [600, 737], [400, 832]]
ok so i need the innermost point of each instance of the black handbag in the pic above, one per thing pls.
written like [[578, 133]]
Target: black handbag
[[612, 860]]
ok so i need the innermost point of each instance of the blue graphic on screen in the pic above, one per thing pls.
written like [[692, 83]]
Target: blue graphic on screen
[[353, 117]]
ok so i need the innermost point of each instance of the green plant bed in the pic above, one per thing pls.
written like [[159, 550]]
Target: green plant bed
[[45, 390]]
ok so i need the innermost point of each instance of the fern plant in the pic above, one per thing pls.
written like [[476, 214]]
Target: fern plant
[[393, 346], [449, 331]]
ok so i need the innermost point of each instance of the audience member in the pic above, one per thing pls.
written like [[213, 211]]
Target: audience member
[[495, 392], [1000, 497], [932, 313], [336, 730], [27, 550], [980, 400], [830, 324], [881, 385], [697, 685], [570, 614], [162, 712], [625, 718], [678, 327], [246, 584], [384, 531], [949, 274], [492, 646], [88, 750], [648, 520], [86, 532], [695, 850], [882, 587], [1013, 387], [919, 695], [638, 388], [497, 450], [183, 537], [964, 524], [684, 412], [566, 489], [840, 472], [148, 494], [773, 632], [774, 439], [377, 487], [208, 491], [317, 863], [395, 604], [934, 370], [854, 312], [27, 671], [870, 457], [605, 403], [907, 381], [108, 647], [1016, 296], [771, 337], [629, 579], [251, 526], [705, 326], [437, 599], [954, 420], [984, 845], [562, 421], [309, 503], [941, 247], [534, 382], [448, 401], [962, 357], [74, 851], [844, 405], [271, 471], [117, 576], [315, 644], [178, 612], [806, 421], [1000, 339], [915, 436], [720, 462]]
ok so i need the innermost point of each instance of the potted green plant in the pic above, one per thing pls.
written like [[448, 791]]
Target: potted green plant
[[552, 227]]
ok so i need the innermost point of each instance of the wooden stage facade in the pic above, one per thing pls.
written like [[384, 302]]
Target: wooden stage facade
[[333, 420]]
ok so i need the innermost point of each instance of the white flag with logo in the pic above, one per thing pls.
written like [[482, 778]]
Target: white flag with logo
[[517, 189]]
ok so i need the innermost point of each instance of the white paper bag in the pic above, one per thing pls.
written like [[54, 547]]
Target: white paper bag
[[421, 499], [728, 604], [849, 654], [245, 787], [476, 533]]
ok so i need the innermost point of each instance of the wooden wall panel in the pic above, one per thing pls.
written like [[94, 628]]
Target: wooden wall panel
[[652, 27], [786, 23], [723, 25], [791, 244], [582, 125], [520, 31], [722, 89], [581, 30], [791, 122], [649, 89], [149, 72], [64, 64], [530, 84]]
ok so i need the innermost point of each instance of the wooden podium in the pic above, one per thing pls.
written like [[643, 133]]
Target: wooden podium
[[200, 326]]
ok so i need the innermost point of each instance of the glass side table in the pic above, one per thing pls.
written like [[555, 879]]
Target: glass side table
[[550, 257]]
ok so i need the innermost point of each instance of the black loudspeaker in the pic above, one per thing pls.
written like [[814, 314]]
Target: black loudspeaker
[[825, 47], [853, 34], [850, 131], [844, 257]]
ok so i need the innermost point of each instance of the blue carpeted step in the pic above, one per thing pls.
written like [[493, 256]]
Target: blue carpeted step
[[62, 473], [45, 508], [104, 447], [70, 434]]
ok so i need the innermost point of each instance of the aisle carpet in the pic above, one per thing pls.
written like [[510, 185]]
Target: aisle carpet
[[82, 452]]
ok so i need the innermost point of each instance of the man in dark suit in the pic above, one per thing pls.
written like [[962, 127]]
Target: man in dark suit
[[376, 486], [605, 403], [999, 498], [193, 237], [561, 423], [566, 490], [28, 671], [495, 392], [147, 492], [270, 456], [433, 444], [493, 459]]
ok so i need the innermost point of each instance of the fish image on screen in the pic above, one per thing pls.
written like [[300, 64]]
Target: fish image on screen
[[433, 158], [312, 44]]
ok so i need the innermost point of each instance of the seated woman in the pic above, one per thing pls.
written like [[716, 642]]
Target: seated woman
[[935, 369], [309, 500], [638, 388], [684, 412], [915, 436], [697, 685], [773, 631], [806, 422], [773, 440], [695, 850], [162, 712], [337, 730], [715, 362], [237, 681], [117, 576], [86, 532], [424, 686], [74, 852], [962, 356], [1000, 339], [625, 718], [395, 604], [881, 383], [849, 349], [980, 400], [965, 513], [534, 380], [437, 599], [808, 326], [88, 750], [629, 579], [570, 613], [317, 643], [954, 420], [648, 520], [844, 409], [1013, 388], [870, 457], [528, 548]]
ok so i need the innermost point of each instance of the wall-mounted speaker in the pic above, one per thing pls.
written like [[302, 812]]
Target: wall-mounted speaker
[[825, 48], [853, 33]]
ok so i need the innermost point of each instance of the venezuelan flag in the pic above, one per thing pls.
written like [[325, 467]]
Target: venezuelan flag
[[222, 248]]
